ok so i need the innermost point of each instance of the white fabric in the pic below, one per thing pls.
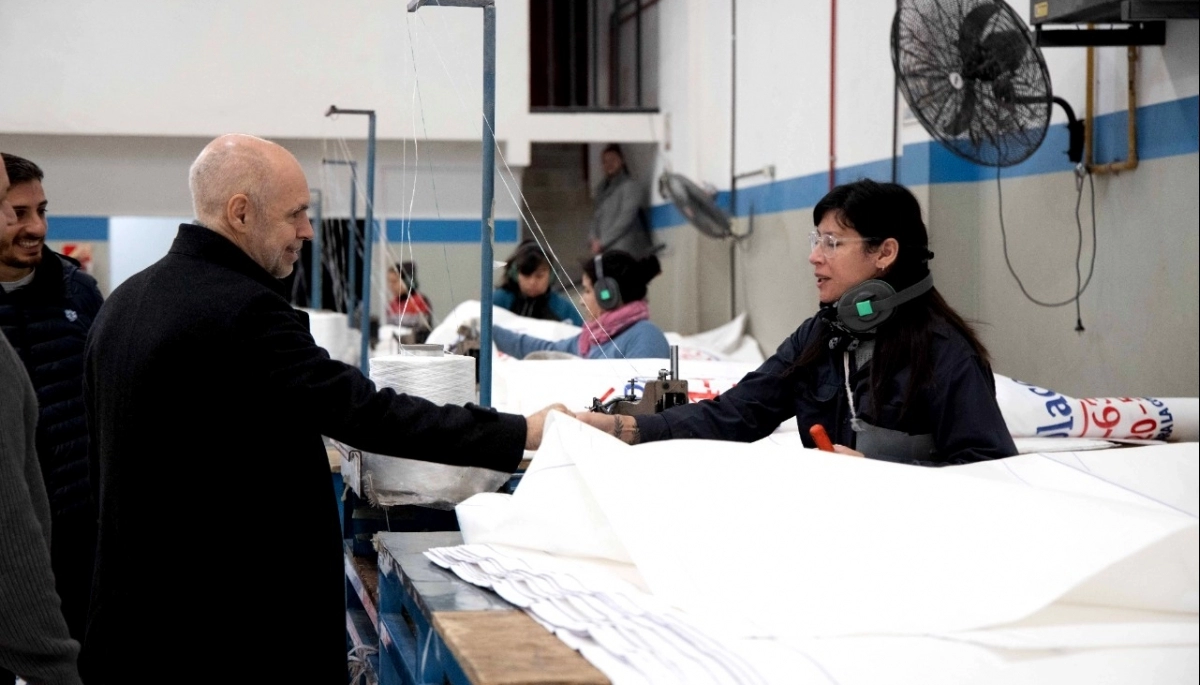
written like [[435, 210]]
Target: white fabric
[[856, 571]]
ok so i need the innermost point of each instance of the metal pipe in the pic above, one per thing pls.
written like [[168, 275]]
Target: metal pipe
[[368, 244], [368, 238], [1131, 156], [895, 116], [733, 178], [571, 100], [637, 53], [1089, 106], [595, 33], [487, 224], [316, 291], [832, 91], [352, 229], [674, 362], [614, 71]]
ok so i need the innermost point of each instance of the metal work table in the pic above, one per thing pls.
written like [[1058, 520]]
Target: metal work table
[[433, 628]]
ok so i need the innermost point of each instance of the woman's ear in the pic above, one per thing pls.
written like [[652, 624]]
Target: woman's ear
[[886, 255]]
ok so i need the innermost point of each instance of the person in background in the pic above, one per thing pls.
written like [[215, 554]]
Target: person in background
[[618, 317], [35, 643], [407, 307], [526, 287], [618, 220], [886, 367], [47, 305], [207, 401]]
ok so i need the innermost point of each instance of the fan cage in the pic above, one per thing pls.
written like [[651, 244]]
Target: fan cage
[[973, 77]]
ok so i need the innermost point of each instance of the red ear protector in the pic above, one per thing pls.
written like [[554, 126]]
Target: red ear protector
[[608, 292], [863, 307]]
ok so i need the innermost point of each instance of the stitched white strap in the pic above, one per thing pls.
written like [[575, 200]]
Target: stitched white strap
[[849, 393]]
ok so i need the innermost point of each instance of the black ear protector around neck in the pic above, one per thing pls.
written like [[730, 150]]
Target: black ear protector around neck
[[608, 292], [862, 308]]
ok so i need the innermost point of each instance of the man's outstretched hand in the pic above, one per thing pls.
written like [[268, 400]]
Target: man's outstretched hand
[[534, 424]]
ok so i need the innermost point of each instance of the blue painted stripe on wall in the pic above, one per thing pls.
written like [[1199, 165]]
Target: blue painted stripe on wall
[[447, 230], [1165, 129], [77, 227]]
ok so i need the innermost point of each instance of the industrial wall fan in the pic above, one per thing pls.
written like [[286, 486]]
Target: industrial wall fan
[[972, 75], [695, 204]]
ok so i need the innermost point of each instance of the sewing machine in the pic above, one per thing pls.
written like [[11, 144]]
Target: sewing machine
[[661, 394]]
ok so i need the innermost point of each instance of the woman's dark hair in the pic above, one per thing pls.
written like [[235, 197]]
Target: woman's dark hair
[[407, 271], [614, 147], [525, 260], [632, 275], [878, 211]]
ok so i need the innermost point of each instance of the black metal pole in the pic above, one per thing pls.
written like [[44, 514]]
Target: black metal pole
[[595, 54], [637, 67]]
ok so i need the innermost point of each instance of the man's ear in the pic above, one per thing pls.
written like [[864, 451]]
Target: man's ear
[[887, 253], [237, 211]]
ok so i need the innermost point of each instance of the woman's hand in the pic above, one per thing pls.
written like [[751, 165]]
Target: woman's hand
[[842, 449]]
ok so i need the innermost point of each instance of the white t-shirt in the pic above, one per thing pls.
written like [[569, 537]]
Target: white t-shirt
[[10, 286]]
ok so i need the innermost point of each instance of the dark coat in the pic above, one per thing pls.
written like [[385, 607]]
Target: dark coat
[[220, 552], [47, 323], [957, 408]]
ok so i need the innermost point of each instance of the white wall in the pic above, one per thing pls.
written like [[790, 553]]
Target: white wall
[[1141, 310], [116, 99], [136, 243]]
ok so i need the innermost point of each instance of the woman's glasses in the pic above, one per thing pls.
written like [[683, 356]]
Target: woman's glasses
[[829, 242]]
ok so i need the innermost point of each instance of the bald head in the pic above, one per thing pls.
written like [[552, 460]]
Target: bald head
[[254, 193], [230, 165]]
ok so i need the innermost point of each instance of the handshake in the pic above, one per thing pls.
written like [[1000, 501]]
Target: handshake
[[622, 427]]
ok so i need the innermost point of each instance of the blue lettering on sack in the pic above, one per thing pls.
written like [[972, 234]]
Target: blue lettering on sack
[[1057, 406]]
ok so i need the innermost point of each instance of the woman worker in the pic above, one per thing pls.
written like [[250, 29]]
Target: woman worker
[[406, 305], [886, 367], [618, 326], [526, 287]]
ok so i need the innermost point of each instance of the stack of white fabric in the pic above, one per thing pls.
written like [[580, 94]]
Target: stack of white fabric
[[693, 561]]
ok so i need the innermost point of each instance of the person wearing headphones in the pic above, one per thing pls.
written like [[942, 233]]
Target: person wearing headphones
[[406, 306], [886, 368], [618, 318], [526, 288]]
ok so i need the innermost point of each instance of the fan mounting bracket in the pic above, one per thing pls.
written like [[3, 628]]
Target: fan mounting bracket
[[1135, 33]]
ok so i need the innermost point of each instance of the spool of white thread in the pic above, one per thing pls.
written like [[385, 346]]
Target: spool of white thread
[[329, 330], [425, 371]]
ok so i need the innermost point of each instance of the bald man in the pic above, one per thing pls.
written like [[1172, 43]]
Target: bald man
[[220, 553]]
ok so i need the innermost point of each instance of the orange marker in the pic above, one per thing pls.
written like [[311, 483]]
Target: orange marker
[[821, 437]]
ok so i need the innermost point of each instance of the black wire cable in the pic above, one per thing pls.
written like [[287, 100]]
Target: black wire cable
[[1079, 287]]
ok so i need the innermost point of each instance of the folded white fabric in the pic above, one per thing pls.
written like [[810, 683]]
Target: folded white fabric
[[795, 559]]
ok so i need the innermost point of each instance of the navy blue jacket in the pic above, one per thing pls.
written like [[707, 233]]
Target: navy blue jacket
[[958, 407], [47, 323]]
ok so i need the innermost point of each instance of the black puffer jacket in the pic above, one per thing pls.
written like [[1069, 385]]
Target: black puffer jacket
[[47, 322]]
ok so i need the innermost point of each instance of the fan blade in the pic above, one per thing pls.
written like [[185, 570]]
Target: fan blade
[[970, 33], [966, 112], [1005, 52]]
